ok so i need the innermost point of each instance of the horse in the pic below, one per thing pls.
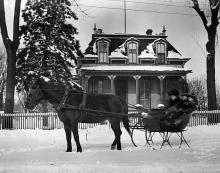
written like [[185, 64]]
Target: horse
[[77, 101]]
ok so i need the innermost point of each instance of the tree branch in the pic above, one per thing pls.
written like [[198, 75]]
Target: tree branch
[[3, 26], [214, 12], [16, 23], [83, 11], [200, 13]]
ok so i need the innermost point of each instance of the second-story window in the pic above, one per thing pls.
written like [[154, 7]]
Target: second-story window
[[132, 52], [103, 51], [161, 53]]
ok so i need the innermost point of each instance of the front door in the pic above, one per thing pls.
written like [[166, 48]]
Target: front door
[[121, 88], [145, 93]]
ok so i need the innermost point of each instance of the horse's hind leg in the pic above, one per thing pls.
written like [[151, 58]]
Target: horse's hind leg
[[117, 131], [68, 138], [74, 128]]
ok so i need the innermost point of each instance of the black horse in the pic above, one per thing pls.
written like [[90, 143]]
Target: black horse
[[71, 104]]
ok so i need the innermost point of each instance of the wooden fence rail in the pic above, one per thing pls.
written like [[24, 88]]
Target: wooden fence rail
[[35, 121], [51, 120]]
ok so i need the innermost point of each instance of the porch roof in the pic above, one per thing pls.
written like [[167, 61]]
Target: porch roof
[[135, 68]]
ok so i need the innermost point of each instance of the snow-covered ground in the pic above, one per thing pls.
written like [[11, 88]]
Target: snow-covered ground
[[34, 151]]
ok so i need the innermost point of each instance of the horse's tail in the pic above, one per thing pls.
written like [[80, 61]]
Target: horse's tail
[[125, 121]]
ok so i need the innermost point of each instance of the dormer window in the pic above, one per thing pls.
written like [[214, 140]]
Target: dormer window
[[103, 51], [161, 51], [132, 52]]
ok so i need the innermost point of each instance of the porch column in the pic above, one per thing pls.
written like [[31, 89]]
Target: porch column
[[161, 78], [137, 77], [185, 84], [112, 78], [85, 83]]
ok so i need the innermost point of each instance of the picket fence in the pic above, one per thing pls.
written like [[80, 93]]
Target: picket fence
[[49, 121]]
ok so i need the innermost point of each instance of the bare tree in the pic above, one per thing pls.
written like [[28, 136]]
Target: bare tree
[[218, 95], [2, 74], [11, 47], [198, 87], [210, 23]]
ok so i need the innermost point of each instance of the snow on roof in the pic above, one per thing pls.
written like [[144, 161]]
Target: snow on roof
[[90, 55], [131, 38], [119, 52], [133, 68], [158, 40], [148, 52], [172, 54]]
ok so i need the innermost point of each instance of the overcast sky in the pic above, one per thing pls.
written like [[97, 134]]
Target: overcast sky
[[184, 28]]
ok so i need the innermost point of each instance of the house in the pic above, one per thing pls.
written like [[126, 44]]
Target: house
[[138, 68]]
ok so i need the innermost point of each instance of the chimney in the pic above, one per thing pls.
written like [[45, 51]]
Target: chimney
[[149, 32], [99, 31], [164, 30], [95, 29]]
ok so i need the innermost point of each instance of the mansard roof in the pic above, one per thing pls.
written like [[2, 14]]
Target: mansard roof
[[117, 40]]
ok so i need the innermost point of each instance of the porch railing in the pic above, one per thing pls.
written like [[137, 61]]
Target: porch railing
[[51, 120]]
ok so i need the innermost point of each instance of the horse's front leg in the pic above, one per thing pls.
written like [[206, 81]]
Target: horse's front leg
[[68, 138], [74, 128]]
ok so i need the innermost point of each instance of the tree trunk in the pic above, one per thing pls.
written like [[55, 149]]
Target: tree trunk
[[11, 48], [1, 98], [10, 79], [210, 64], [10, 85], [211, 29]]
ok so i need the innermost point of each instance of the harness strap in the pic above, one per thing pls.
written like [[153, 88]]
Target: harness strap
[[63, 100]]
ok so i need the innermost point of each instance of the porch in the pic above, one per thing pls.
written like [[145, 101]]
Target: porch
[[148, 90]]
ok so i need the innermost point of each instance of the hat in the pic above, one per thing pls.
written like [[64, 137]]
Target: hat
[[189, 95], [139, 106], [160, 106], [174, 92]]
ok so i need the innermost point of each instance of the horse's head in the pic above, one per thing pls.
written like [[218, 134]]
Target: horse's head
[[51, 91], [35, 96]]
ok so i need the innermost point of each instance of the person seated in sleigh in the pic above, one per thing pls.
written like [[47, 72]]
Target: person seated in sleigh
[[169, 110], [186, 106], [177, 108]]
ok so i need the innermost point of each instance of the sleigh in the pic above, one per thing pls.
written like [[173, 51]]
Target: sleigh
[[152, 124]]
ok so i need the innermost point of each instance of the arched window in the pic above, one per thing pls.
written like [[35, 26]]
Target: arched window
[[161, 53], [103, 51], [132, 52]]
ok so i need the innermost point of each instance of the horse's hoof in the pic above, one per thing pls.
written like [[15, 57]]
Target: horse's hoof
[[113, 147], [69, 150], [79, 150]]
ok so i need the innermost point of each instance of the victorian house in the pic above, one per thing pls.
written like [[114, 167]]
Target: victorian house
[[138, 68]]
